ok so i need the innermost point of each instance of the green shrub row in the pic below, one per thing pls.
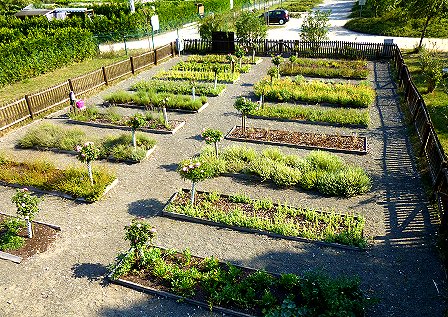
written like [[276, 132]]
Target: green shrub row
[[215, 58], [241, 211], [44, 175], [210, 67], [339, 116], [225, 78], [255, 292], [42, 51], [315, 91], [321, 171], [119, 148], [183, 87], [325, 68], [151, 99]]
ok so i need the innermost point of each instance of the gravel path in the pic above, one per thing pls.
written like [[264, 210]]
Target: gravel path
[[400, 268]]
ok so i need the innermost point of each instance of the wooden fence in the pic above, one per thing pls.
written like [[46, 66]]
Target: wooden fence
[[34, 104]]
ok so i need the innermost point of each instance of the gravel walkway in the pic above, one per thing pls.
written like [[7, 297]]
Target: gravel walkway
[[400, 268]]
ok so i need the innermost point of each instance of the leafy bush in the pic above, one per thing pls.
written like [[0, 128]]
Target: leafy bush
[[183, 87], [9, 238], [431, 68], [225, 78], [314, 114], [344, 94]]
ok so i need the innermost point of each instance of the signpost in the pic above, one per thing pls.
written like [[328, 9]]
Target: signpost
[[361, 4], [155, 26]]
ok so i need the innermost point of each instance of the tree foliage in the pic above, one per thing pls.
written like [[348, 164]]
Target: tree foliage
[[315, 26], [249, 27]]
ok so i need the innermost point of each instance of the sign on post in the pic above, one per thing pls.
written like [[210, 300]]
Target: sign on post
[[155, 23], [200, 9]]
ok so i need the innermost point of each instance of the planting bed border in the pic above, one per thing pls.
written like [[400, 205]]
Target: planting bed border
[[308, 147], [134, 106], [323, 123], [17, 259], [182, 217], [60, 194], [126, 128]]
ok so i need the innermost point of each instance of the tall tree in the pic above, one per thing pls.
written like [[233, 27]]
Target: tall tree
[[250, 28], [315, 26]]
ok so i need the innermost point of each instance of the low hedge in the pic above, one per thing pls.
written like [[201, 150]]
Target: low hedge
[[183, 87]]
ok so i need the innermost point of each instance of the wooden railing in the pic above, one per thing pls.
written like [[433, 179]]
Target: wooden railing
[[34, 104]]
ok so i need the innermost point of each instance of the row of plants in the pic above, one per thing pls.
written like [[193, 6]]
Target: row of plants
[[219, 58], [320, 171], [44, 175], [116, 148], [356, 69], [242, 211], [343, 94], [183, 87], [211, 67], [225, 78], [151, 99], [253, 292]]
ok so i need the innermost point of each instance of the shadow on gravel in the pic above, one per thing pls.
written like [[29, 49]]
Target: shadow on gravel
[[93, 272], [169, 167], [145, 208]]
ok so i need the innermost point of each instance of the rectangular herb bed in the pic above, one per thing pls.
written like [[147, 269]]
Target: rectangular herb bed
[[43, 235], [303, 140], [138, 106], [236, 290], [265, 217]]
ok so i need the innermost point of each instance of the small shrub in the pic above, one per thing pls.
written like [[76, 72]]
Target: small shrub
[[9, 238]]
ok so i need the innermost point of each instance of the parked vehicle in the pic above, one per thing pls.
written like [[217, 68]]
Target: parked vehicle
[[279, 16]]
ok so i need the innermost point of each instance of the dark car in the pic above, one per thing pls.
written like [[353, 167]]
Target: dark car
[[279, 16]]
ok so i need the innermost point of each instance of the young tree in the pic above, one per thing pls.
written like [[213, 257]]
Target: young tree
[[431, 68], [315, 26], [292, 60], [139, 233], [135, 122], [249, 27], [239, 53], [87, 153], [194, 171], [277, 60], [212, 136], [245, 106], [215, 23], [273, 73], [27, 207]]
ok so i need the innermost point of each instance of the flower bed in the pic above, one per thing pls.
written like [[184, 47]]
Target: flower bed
[[72, 183], [150, 100], [321, 171], [112, 119], [306, 114], [210, 67], [328, 142], [114, 148], [223, 78], [235, 290], [315, 91], [240, 212], [183, 87], [325, 68], [215, 58], [43, 235]]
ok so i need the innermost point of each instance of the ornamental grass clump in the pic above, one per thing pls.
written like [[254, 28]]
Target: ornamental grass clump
[[87, 153], [27, 207], [212, 136]]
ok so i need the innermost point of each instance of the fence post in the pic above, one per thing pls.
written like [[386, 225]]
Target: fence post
[[132, 64], [172, 49], [70, 84], [105, 75], [280, 46], [28, 103], [155, 56], [425, 138]]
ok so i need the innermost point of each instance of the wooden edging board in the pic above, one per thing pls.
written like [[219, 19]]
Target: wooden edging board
[[18, 259], [308, 147], [119, 127], [60, 194], [182, 217], [322, 123]]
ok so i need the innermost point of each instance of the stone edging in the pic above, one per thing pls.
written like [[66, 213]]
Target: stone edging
[[308, 147]]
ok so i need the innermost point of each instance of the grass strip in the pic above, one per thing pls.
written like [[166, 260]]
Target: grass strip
[[183, 87], [240, 210], [316, 91], [73, 181], [326, 68], [224, 78], [345, 117], [117, 148]]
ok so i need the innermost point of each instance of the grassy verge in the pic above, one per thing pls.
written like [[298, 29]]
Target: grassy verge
[[20, 89], [320, 171], [264, 215], [326, 68], [151, 99], [345, 117], [251, 291], [315, 91], [73, 181], [118, 148], [183, 87], [224, 78], [436, 101]]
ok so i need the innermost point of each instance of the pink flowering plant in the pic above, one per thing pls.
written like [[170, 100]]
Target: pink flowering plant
[[195, 171], [27, 207], [139, 233], [87, 153], [212, 136]]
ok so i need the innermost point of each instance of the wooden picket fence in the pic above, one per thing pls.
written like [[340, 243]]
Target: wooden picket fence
[[32, 105]]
